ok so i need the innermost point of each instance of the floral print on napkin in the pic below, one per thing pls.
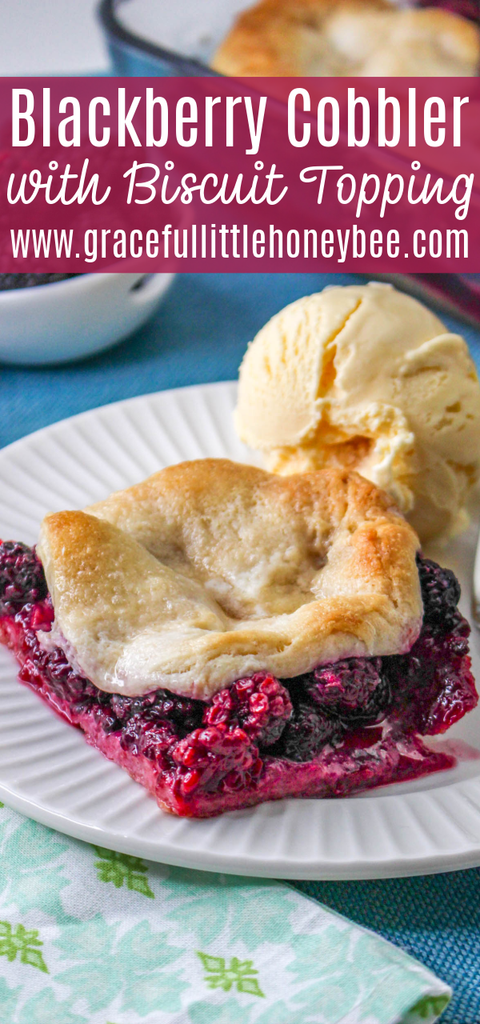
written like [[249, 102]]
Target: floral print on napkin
[[90, 936]]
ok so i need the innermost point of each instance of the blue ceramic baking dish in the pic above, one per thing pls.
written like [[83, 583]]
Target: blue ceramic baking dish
[[136, 49], [161, 37]]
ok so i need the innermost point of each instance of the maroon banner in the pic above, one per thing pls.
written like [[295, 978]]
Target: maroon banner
[[217, 174]]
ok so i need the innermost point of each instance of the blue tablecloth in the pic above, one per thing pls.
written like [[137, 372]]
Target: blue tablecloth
[[199, 334]]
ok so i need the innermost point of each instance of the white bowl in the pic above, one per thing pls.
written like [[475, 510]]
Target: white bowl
[[71, 319]]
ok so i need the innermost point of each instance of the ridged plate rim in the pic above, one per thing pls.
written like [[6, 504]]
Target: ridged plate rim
[[426, 827]]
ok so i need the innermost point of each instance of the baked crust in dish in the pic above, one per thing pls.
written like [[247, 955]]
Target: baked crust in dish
[[348, 37], [212, 570]]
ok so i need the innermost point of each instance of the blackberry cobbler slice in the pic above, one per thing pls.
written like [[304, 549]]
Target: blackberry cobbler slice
[[340, 725]]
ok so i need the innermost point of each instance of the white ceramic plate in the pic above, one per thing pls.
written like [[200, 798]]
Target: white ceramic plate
[[47, 770]]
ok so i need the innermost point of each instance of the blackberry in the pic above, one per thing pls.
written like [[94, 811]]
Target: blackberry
[[307, 733], [159, 706], [22, 580], [216, 758], [355, 689], [62, 678], [121, 707], [183, 712], [440, 594], [154, 740], [259, 704]]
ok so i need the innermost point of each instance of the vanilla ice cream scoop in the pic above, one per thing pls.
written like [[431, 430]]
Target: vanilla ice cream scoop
[[367, 378]]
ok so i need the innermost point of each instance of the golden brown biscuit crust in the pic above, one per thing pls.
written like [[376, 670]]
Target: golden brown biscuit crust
[[280, 38], [211, 570]]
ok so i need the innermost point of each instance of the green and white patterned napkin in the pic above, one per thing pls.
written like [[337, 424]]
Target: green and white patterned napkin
[[88, 936]]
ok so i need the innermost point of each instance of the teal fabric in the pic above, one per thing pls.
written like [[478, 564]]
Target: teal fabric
[[199, 334], [436, 919]]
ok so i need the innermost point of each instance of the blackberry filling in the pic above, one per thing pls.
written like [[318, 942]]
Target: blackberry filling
[[335, 730], [22, 580], [432, 685]]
